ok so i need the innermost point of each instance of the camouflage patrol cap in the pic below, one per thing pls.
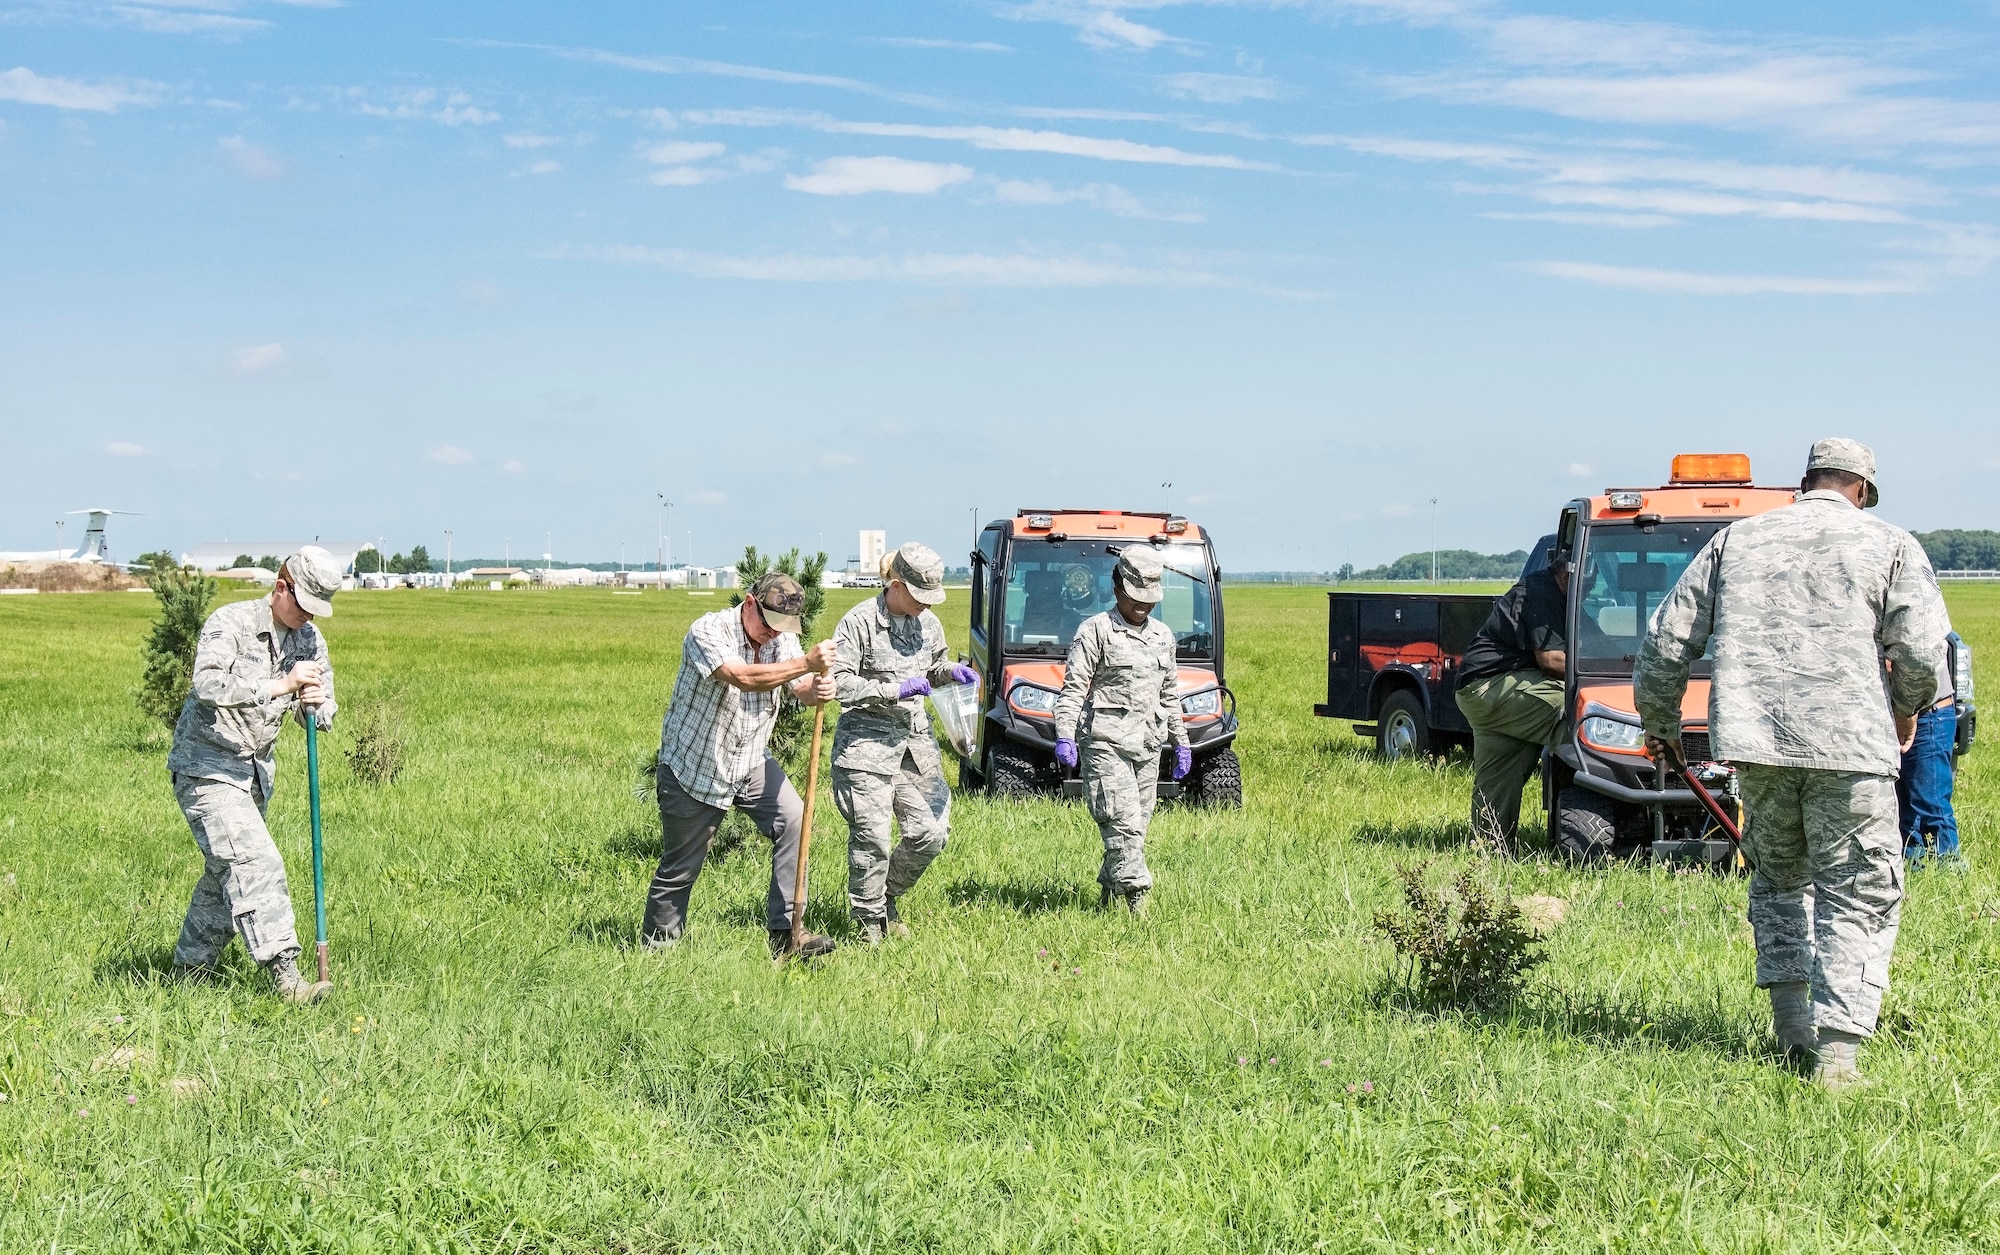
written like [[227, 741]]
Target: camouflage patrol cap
[[1841, 454], [1139, 569], [315, 578], [921, 571], [780, 599]]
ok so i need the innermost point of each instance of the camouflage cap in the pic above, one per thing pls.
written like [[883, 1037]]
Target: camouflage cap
[[315, 578], [1841, 454], [921, 571], [780, 599], [1139, 569]]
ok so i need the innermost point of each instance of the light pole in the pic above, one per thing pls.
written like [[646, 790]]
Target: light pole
[[447, 559], [1434, 540], [378, 555], [660, 537], [975, 527], [548, 550], [59, 544], [1169, 486]]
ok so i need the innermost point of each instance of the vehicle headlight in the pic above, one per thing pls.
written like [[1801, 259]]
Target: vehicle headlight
[[1036, 701], [1206, 702], [1613, 734]]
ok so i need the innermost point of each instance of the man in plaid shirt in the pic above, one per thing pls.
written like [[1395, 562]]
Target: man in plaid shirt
[[714, 755]]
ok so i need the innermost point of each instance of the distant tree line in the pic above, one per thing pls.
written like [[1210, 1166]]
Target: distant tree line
[[1952, 550], [1452, 564], [416, 562]]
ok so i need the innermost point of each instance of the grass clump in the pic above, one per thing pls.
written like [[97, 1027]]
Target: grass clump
[[379, 742], [1466, 946]]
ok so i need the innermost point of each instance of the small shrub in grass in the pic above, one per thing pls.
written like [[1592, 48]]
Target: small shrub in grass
[[184, 594], [1468, 945], [377, 753]]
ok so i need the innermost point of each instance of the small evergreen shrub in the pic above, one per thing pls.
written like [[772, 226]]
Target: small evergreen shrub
[[184, 595], [1466, 946]]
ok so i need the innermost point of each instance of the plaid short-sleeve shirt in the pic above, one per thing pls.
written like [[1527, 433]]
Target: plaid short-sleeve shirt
[[714, 736]]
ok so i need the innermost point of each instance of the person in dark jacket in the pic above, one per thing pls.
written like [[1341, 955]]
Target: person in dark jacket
[[1510, 689]]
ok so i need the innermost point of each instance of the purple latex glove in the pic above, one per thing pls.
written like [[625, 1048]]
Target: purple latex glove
[[915, 686], [962, 674], [1066, 753], [1183, 761]]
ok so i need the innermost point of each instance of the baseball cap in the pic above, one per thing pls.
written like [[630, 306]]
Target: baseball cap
[[780, 598], [921, 571], [1841, 454], [315, 578], [1139, 572]]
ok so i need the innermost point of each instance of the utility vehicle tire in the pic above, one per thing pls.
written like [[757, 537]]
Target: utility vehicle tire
[[1013, 771], [1586, 825], [1217, 780], [1402, 730]]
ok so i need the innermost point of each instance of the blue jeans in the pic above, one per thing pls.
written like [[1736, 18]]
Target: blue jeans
[[1924, 787]]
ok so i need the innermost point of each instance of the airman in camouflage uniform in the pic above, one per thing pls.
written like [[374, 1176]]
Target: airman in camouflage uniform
[[256, 663], [889, 651], [1121, 689], [1803, 606]]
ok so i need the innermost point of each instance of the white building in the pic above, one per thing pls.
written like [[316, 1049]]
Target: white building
[[873, 545], [220, 555]]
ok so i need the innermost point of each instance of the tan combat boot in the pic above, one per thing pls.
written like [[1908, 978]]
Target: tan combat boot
[[1791, 1020], [893, 923], [290, 983], [1837, 1069], [1135, 901]]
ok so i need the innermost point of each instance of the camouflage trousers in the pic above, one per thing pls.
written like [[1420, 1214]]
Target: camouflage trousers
[[870, 801], [242, 887], [1828, 891], [1120, 792]]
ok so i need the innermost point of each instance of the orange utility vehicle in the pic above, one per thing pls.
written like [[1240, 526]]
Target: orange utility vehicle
[[1035, 578], [1629, 545]]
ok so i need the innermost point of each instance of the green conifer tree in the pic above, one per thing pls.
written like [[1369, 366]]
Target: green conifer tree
[[185, 595]]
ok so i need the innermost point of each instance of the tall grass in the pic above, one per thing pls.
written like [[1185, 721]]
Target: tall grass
[[501, 1070]]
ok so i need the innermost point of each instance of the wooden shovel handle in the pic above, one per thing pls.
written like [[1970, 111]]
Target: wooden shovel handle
[[806, 832]]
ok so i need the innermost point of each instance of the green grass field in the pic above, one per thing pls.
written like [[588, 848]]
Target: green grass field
[[500, 1070]]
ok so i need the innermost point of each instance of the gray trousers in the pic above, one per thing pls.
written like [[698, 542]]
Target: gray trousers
[[688, 824], [1827, 896], [869, 801], [1121, 792], [242, 889]]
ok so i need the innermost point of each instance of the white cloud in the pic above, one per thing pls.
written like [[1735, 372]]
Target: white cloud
[[250, 160], [681, 152], [1108, 197], [427, 104], [259, 358], [24, 86], [992, 138], [1098, 25], [543, 167], [1630, 222], [719, 69], [1582, 470], [686, 176], [528, 139], [513, 466], [1015, 270], [1696, 284], [451, 455], [951, 45], [1223, 89], [855, 176], [170, 21], [125, 449]]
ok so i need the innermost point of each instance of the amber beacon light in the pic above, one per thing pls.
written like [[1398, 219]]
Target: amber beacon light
[[1711, 468]]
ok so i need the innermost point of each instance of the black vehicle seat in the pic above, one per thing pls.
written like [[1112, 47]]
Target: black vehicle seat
[[1042, 611]]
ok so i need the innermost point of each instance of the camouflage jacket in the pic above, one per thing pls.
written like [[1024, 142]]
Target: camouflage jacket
[[229, 724], [876, 651], [1802, 606], [1122, 686]]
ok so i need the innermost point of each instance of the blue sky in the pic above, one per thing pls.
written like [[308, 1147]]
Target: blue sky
[[364, 269]]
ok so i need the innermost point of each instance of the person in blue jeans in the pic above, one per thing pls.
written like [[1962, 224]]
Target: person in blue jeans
[[1923, 788]]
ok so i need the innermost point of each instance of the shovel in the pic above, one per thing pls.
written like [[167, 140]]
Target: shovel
[[805, 833], [319, 863]]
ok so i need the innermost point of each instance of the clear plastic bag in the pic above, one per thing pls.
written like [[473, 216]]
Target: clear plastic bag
[[957, 707]]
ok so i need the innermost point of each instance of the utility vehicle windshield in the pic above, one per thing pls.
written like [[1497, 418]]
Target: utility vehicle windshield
[[1052, 587], [1625, 572]]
